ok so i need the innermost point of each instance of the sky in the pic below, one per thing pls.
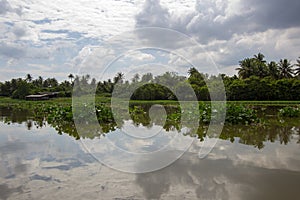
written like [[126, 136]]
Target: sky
[[58, 37]]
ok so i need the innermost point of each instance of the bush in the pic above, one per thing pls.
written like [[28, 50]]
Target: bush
[[289, 112]]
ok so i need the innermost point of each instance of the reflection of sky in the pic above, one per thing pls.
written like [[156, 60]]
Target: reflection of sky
[[43, 164], [20, 147], [158, 138]]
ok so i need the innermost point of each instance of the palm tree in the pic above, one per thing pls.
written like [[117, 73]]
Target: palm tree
[[119, 78], [40, 81], [260, 57], [285, 69], [260, 69], [71, 76], [246, 68], [273, 70], [297, 70], [28, 78]]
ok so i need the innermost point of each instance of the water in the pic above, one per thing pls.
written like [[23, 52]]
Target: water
[[249, 162]]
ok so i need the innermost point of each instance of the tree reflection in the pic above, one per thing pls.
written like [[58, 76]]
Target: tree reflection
[[272, 130]]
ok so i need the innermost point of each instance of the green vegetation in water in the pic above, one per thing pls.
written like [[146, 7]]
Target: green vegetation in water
[[255, 133], [289, 112], [240, 114], [54, 111]]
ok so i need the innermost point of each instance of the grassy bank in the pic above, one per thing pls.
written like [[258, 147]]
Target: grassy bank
[[100, 99]]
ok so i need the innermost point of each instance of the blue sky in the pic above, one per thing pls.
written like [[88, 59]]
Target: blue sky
[[54, 38]]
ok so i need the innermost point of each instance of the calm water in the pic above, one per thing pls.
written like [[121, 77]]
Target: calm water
[[249, 162]]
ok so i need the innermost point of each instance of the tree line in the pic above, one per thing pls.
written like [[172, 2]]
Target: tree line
[[257, 80], [21, 87]]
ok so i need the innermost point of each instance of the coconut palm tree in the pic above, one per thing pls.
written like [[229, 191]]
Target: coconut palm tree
[[246, 68], [119, 78], [71, 76], [285, 69], [260, 57], [260, 69], [273, 70], [28, 78], [297, 70]]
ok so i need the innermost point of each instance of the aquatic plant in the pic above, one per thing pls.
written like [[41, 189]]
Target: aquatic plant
[[241, 114], [289, 112]]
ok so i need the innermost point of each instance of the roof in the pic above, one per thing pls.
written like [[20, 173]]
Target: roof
[[48, 93], [37, 96]]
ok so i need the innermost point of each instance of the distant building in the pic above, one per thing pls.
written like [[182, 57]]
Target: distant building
[[42, 96]]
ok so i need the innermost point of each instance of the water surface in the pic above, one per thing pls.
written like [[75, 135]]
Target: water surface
[[248, 162]]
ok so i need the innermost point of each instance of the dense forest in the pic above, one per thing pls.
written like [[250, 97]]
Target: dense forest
[[257, 80]]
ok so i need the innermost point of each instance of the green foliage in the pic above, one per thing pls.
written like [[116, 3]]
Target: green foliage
[[235, 114], [258, 80], [23, 89], [273, 129], [285, 69], [152, 91], [240, 114], [20, 88], [289, 112], [264, 89]]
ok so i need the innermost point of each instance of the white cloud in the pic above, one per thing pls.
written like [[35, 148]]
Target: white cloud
[[228, 30], [139, 56], [95, 18]]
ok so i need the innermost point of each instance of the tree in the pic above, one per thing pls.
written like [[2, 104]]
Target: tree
[[285, 69], [246, 68], [28, 78], [297, 70], [273, 70], [255, 66], [71, 77], [195, 77], [22, 90], [6, 89], [38, 82], [260, 68], [50, 82], [147, 77], [119, 78], [135, 78], [260, 57]]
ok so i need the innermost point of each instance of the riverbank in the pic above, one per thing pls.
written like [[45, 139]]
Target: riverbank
[[101, 99]]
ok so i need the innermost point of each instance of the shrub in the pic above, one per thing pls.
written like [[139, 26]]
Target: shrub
[[289, 112]]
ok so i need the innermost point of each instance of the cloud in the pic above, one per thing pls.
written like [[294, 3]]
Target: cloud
[[230, 30], [42, 28], [279, 14], [140, 57], [221, 178], [19, 30], [5, 8], [11, 50], [153, 14], [218, 20]]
